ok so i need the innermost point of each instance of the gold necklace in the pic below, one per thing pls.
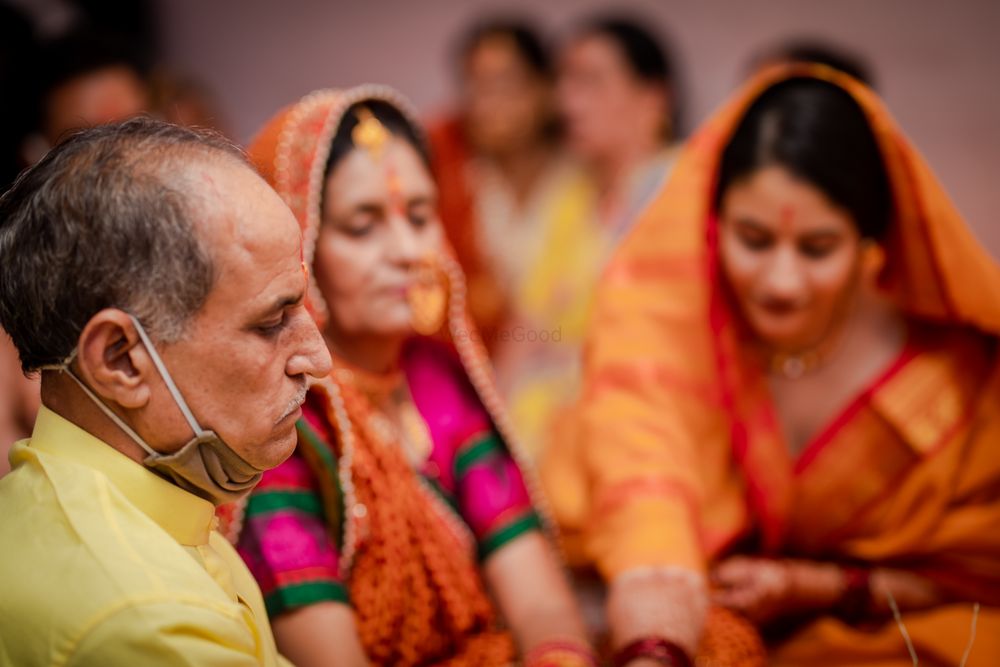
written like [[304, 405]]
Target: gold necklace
[[382, 391], [376, 386], [796, 365]]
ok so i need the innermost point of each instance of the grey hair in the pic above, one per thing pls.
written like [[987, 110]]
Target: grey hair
[[100, 222]]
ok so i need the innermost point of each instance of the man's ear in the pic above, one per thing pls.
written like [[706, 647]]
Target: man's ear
[[113, 361]]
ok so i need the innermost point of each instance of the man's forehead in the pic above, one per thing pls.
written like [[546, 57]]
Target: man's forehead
[[231, 203], [212, 188], [249, 232], [250, 280]]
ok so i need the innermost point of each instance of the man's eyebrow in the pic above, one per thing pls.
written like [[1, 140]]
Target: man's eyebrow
[[283, 302]]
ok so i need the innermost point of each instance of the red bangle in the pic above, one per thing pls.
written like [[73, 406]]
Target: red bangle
[[856, 599], [560, 653], [653, 648]]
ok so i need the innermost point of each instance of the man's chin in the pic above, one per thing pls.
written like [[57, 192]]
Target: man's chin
[[288, 446], [278, 449]]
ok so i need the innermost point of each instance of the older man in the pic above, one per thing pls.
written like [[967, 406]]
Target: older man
[[158, 283]]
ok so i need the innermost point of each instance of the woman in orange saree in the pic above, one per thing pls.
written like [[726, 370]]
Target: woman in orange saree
[[792, 399]]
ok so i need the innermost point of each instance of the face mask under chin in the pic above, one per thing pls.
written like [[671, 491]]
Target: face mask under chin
[[205, 466]]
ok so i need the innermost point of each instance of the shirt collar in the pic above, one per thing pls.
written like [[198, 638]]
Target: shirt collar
[[186, 517]]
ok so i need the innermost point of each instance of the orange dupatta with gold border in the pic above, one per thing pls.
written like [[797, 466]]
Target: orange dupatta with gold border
[[676, 453]]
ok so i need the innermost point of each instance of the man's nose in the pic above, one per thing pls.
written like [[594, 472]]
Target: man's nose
[[311, 355]]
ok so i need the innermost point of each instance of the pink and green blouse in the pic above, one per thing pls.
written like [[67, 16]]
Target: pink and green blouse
[[289, 539]]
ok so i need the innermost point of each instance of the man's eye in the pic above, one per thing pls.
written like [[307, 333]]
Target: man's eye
[[269, 329]]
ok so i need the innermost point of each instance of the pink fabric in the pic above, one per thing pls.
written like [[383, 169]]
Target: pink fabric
[[491, 493], [446, 401]]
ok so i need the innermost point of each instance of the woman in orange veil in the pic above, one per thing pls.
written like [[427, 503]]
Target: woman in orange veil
[[404, 529], [755, 435]]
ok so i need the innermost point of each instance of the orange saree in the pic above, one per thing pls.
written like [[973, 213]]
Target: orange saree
[[678, 453]]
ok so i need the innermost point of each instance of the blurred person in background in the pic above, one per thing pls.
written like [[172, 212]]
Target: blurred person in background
[[87, 77], [45, 44], [19, 400], [405, 529], [93, 73], [618, 98], [18, 395], [813, 50], [183, 100], [18, 46], [791, 406], [497, 163]]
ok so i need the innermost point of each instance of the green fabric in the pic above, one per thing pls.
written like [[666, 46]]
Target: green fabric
[[475, 451], [319, 455], [264, 502], [504, 535], [293, 596], [319, 447], [441, 492]]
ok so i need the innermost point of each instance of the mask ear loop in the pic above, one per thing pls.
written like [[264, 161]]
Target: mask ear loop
[[171, 387], [64, 367]]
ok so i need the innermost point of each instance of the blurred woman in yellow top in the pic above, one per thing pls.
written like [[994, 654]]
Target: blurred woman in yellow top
[[617, 96], [792, 397], [498, 165]]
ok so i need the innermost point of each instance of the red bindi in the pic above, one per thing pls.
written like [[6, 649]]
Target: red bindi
[[786, 217], [396, 200]]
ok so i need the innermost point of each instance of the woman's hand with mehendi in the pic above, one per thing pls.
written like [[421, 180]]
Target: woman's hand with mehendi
[[764, 589]]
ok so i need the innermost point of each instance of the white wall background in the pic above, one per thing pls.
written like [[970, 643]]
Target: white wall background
[[937, 63]]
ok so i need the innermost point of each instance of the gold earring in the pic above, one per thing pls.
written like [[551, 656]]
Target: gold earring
[[872, 257], [428, 298]]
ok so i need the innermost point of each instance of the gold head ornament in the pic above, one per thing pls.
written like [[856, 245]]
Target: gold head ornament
[[369, 134]]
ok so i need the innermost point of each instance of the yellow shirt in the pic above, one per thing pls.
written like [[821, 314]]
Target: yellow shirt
[[103, 563]]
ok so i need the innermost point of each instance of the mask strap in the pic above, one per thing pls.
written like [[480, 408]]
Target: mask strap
[[62, 366], [110, 413], [178, 398]]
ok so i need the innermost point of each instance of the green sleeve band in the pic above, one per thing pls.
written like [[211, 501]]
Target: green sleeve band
[[506, 534], [293, 596]]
